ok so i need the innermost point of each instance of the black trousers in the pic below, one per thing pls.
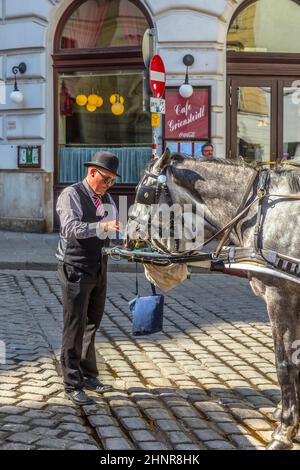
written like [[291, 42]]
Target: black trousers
[[83, 305]]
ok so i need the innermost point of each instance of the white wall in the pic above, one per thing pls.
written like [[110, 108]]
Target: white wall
[[27, 29], [198, 27]]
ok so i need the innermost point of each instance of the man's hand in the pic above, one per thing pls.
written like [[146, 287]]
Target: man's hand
[[112, 226], [109, 229]]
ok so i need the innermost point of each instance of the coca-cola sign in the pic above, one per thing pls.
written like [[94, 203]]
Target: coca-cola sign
[[187, 119]]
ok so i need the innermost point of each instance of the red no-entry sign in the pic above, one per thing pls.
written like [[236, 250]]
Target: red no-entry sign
[[157, 76]]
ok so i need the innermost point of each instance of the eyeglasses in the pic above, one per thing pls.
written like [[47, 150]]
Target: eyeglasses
[[107, 179]]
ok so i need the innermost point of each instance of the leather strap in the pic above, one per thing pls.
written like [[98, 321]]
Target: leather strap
[[137, 282], [239, 209]]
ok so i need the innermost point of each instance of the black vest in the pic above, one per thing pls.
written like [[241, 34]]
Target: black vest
[[84, 253]]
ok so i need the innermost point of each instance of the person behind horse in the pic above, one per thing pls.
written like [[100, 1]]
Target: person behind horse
[[207, 150], [85, 229]]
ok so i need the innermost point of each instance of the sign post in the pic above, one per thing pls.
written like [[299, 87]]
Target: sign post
[[157, 78]]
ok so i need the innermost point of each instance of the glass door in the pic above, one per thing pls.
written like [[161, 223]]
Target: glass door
[[289, 124], [253, 119], [264, 119]]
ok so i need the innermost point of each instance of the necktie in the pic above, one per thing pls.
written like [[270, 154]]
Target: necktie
[[98, 204]]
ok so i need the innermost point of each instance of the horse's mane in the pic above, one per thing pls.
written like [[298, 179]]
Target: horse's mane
[[292, 174]]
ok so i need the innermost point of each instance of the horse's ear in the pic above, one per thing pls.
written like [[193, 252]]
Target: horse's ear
[[165, 159]]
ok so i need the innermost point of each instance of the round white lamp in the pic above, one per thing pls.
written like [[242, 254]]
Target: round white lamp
[[16, 96], [186, 90]]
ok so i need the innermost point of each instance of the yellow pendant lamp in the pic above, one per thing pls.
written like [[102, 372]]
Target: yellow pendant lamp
[[117, 102], [99, 102], [116, 97], [93, 99], [81, 100], [91, 108]]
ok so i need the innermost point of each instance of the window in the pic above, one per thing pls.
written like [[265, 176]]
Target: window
[[98, 51], [84, 131], [103, 24], [266, 26]]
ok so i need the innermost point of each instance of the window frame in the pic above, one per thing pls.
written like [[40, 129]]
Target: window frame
[[75, 52], [85, 60], [257, 57]]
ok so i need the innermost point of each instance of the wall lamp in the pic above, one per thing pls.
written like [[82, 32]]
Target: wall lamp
[[186, 90], [16, 96]]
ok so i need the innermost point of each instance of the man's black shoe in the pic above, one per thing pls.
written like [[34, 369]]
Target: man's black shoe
[[94, 384], [78, 397]]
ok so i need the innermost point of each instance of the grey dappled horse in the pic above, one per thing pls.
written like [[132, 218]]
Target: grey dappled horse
[[217, 187]]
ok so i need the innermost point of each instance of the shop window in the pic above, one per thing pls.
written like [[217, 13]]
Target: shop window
[[103, 111], [87, 63], [103, 24], [266, 26]]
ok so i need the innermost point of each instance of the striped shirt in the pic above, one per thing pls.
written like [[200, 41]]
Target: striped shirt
[[69, 210]]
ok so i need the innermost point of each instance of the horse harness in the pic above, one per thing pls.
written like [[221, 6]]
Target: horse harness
[[149, 195]]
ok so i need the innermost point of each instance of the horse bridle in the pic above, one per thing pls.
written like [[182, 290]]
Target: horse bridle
[[149, 195]]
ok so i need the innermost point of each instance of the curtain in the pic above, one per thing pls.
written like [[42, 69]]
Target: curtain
[[83, 28], [133, 23], [66, 101], [132, 161]]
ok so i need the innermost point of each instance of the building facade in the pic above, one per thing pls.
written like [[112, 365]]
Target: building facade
[[85, 88]]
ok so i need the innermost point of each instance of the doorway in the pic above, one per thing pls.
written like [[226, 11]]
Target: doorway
[[263, 73]]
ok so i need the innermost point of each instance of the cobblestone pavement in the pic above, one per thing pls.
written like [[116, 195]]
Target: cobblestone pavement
[[207, 382]]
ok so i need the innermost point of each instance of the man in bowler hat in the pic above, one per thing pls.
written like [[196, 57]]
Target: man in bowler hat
[[85, 230]]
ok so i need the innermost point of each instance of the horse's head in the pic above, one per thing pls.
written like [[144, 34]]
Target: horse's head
[[158, 216]]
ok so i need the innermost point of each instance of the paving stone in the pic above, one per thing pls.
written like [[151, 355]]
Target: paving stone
[[207, 435], [80, 437], [134, 423], [72, 427], [39, 414], [70, 419], [7, 386], [11, 410], [3, 434], [42, 431], [31, 404], [24, 438], [83, 446], [219, 445], [156, 413], [15, 446], [195, 423], [117, 444], [32, 396], [245, 440], [188, 447], [14, 427], [167, 425], [257, 424], [142, 435], [17, 419], [178, 438], [109, 431], [8, 401], [153, 446], [54, 443]]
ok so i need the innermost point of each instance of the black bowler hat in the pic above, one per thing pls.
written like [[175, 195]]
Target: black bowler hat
[[105, 160]]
